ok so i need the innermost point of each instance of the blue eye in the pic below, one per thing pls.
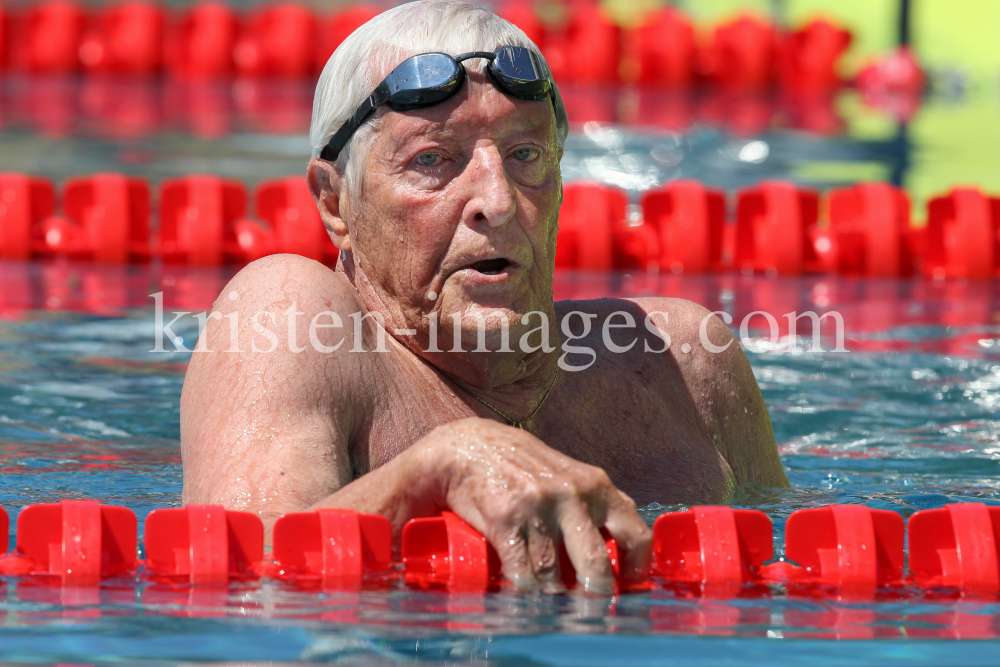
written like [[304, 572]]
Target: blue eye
[[429, 159], [525, 154]]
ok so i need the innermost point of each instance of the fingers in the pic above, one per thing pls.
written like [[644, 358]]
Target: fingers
[[515, 560], [634, 537], [585, 547], [543, 549]]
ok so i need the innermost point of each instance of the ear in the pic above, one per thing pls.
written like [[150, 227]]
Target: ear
[[327, 185]]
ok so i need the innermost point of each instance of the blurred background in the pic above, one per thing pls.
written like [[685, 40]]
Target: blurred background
[[818, 94]]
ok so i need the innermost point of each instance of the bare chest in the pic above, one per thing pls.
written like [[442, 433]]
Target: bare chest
[[642, 427]]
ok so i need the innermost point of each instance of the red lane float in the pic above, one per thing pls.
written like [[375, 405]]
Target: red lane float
[[78, 541], [278, 40], [201, 43], [47, 38], [24, 202], [204, 544], [196, 217], [956, 547], [870, 231], [963, 236], [445, 552], [288, 207], [106, 220], [852, 548], [127, 38], [689, 220], [774, 221], [664, 50], [336, 547], [714, 546], [742, 53], [808, 57]]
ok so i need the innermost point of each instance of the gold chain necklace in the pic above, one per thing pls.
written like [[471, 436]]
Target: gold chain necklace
[[520, 424]]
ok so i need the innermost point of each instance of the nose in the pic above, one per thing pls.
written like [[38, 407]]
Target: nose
[[492, 195]]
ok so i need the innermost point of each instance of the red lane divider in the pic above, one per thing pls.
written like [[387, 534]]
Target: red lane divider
[[205, 544], [287, 39], [24, 202], [773, 223], [848, 547], [689, 221], [79, 541], [445, 552], [870, 231], [107, 220], [679, 227], [336, 547], [126, 38], [956, 547], [963, 236], [196, 212], [715, 546], [846, 551]]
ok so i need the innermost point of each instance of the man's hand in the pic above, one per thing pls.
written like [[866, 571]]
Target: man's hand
[[527, 498]]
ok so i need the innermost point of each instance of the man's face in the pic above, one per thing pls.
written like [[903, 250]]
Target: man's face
[[458, 213]]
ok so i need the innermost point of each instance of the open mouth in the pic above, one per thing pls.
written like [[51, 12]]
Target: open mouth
[[491, 267]]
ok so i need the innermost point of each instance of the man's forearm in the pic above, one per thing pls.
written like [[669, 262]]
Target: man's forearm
[[406, 487]]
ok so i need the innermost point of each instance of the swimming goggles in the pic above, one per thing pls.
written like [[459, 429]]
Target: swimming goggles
[[431, 78]]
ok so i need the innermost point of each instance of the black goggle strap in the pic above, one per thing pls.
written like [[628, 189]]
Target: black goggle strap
[[347, 130]]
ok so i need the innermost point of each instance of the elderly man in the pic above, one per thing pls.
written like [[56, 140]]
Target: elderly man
[[432, 368]]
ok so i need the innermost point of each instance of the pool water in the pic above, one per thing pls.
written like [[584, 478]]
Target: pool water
[[906, 419]]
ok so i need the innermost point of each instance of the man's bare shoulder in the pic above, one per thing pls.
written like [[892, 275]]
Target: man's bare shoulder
[[276, 282]]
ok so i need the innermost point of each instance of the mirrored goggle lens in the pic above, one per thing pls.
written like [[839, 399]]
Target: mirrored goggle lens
[[517, 69], [423, 80]]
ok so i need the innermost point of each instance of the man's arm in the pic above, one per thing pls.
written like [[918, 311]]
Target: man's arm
[[267, 431]]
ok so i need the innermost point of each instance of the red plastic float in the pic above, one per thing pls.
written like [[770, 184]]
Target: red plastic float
[[587, 50], [47, 38], [956, 547], [4, 38], [689, 220], [963, 236], [24, 202], [334, 30], [715, 546], [773, 225], [200, 45], [742, 53], [665, 49], [286, 204], [595, 233], [870, 230], [205, 544], [106, 220], [127, 39], [278, 40], [444, 551], [337, 547], [808, 57], [79, 541], [852, 548], [196, 217]]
